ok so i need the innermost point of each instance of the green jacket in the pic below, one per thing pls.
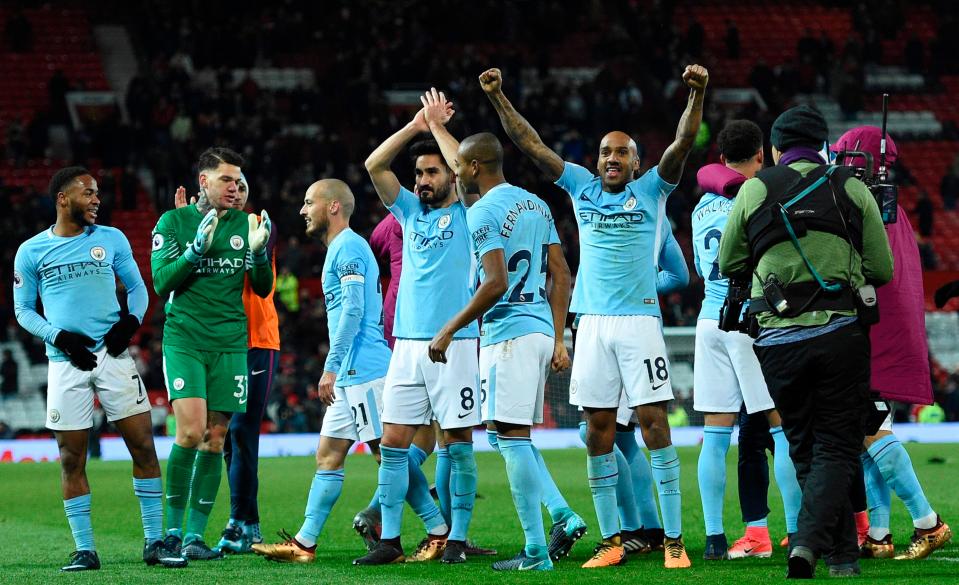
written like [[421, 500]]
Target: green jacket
[[829, 253]]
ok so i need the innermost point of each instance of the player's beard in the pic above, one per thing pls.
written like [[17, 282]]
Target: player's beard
[[79, 216], [317, 228], [434, 197]]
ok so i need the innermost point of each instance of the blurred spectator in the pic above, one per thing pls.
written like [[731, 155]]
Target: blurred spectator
[[925, 212], [9, 371], [16, 141], [6, 432], [57, 88], [807, 44], [19, 32], [949, 187], [695, 39], [288, 290], [926, 253], [732, 40], [915, 54]]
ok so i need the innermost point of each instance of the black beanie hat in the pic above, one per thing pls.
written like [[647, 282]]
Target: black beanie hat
[[799, 126]]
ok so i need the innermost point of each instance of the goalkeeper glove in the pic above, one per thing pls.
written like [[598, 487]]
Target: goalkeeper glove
[[76, 347], [204, 238], [118, 337], [259, 235]]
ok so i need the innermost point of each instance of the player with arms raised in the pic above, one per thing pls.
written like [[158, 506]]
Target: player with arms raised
[[201, 254], [74, 264], [438, 276], [620, 346]]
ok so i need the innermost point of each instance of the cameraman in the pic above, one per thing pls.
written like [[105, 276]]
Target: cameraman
[[811, 238], [900, 371]]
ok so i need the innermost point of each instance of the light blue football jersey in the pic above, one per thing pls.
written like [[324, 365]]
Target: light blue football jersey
[[75, 278], [439, 274], [620, 237], [350, 263], [514, 220], [709, 221]]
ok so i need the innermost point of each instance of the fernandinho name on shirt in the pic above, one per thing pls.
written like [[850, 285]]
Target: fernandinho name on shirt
[[516, 211]]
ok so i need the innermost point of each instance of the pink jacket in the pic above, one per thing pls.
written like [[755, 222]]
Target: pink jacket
[[387, 243], [900, 354]]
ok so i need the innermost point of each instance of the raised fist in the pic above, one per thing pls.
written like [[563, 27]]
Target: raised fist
[[696, 77], [491, 80]]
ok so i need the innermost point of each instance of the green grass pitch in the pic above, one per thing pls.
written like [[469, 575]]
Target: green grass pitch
[[36, 540]]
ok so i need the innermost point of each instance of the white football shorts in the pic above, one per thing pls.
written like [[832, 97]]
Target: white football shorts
[[513, 379], [726, 372], [619, 355], [115, 382], [418, 390]]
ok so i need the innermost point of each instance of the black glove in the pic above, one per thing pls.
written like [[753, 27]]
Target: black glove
[[76, 346], [118, 337], [946, 292]]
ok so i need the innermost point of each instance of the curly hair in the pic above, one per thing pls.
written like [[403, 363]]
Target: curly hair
[[740, 140]]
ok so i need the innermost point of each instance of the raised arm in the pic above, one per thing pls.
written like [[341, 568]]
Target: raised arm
[[519, 130], [674, 159], [378, 163], [438, 112]]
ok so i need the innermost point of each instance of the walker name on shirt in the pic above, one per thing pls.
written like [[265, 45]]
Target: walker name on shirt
[[724, 205]]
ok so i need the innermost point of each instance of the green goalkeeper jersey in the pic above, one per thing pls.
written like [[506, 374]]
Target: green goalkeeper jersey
[[204, 308]]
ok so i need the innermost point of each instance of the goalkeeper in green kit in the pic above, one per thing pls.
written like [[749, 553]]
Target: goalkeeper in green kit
[[201, 254]]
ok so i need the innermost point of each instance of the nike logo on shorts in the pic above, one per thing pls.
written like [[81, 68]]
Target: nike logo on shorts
[[464, 415], [140, 401], [203, 502], [256, 372], [655, 388]]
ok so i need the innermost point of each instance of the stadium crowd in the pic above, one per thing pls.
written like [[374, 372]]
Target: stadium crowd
[[185, 97]]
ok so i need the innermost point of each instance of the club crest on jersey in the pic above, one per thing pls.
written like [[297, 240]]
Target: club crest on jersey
[[157, 241], [54, 415], [630, 204], [236, 242], [98, 253], [17, 279], [444, 221]]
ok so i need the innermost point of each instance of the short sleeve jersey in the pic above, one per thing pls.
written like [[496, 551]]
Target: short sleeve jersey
[[620, 237], [350, 263], [206, 311], [518, 222], [439, 274], [709, 221]]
